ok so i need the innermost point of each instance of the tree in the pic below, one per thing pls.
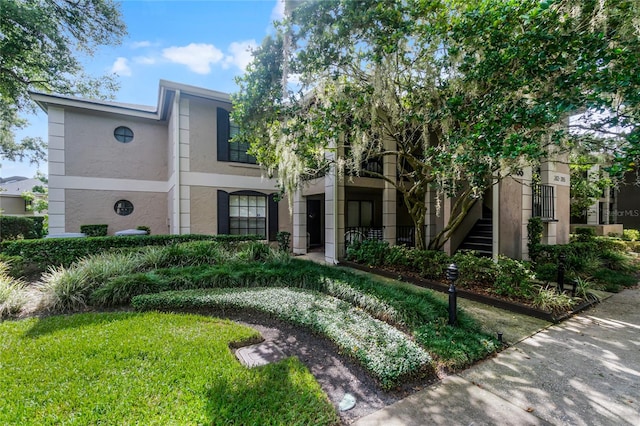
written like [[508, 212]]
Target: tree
[[587, 183], [468, 92], [39, 44]]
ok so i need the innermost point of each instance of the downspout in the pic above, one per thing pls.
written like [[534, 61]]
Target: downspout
[[176, 166]]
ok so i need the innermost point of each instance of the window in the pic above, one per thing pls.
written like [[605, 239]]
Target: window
[[123, 207], [123, 134], [227, 150], [359, 213], [238, 150], [247, 214]]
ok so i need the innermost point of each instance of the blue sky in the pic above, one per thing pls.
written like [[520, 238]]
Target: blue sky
[[202, 43]]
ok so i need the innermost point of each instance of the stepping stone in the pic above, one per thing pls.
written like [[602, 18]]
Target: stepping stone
[[260, 354]]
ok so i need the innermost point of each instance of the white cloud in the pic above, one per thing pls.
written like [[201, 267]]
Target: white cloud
[[240, 54], [140, 44], [198, 57], [278, 11], [121, 67], [145, 60]]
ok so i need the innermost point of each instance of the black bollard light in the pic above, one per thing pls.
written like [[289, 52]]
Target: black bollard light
[[452, 275], [561, 260]]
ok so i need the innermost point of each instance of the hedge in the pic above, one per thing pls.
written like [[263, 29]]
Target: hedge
[[94, 230], [64, 251], [18, 227]]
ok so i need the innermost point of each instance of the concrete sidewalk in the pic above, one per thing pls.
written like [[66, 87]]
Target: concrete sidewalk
[[584, 371]]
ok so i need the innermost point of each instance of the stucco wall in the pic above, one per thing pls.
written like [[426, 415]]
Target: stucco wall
[[87, 207], [510, 222], [92, 150], [203, 141], [563, 214], [204, 210], [13, 205]]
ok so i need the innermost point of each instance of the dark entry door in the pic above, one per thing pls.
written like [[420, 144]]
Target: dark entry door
[[314, 222]]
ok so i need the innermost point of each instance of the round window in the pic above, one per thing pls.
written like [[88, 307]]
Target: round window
[[123, 134], [123, 207]]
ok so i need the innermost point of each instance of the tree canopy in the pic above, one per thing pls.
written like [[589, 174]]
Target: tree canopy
[[468, 91], [40, 44]]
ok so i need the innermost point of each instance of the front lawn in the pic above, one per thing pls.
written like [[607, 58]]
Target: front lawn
[[150, 368]]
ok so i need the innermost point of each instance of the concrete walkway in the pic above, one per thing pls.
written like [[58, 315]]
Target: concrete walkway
[[584, 371]]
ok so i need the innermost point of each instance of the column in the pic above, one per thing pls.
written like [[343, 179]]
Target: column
[[299, 223], [184, 166], [56, 211], [389, 194]]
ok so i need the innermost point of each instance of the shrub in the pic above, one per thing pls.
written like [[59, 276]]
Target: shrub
[[546, 272], [255, 251], [399, 256], [549, 300], [144, 228], [94, 230], [12, 295], [368, 252], [64, 251], [631, 235], [17, 228], [534, 236], [431, 264], [585, 234], [513, 279], [474, 269], [283, 237]]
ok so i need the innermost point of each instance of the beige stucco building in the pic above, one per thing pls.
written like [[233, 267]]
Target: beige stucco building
[[172, 168], [332, 211], [11, 201], [169, 167]]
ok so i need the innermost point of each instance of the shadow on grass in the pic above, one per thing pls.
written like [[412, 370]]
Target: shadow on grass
[[281, 391], [55, 323]]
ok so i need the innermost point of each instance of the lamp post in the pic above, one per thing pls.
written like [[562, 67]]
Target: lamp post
[[452, 275], [562, 258]]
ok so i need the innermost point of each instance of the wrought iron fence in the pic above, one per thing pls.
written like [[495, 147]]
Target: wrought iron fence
[[355, 234], [406, 235], [543, 203]]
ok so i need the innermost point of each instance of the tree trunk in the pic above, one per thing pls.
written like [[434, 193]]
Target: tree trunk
[[458, 213]]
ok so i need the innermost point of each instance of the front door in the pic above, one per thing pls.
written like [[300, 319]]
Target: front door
[[314, 222]]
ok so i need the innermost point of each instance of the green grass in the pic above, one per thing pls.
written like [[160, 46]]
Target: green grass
[[102, 281], [150, 368], [388, 354]]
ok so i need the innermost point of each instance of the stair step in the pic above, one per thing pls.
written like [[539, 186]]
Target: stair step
[[477, 246], [486, 239]]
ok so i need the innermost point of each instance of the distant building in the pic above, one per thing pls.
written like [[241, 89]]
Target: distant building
[[11, 201]]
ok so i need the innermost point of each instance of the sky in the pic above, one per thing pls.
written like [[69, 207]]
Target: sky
[[203, 43]]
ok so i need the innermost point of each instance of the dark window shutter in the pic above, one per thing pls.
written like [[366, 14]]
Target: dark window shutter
[[273, 217], [223, 212], [223, 134]]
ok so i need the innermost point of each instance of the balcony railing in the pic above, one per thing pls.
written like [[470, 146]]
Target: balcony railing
[[406, 235], [543, 202], [356, 234]]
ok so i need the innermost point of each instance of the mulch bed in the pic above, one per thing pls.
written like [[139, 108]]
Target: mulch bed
[[476, 293]]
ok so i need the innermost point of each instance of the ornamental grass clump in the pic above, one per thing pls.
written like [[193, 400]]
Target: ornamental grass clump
[[68, 289], [387, 353], [12, 293]]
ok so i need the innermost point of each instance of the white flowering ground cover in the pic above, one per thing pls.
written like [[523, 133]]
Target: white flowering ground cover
[[386, 352]]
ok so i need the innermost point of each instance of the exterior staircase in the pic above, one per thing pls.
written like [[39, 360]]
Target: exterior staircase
[[480, 238]]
